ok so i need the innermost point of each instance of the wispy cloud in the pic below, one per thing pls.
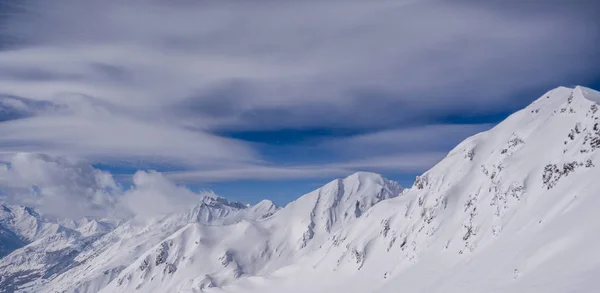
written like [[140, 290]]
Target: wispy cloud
[[101, 134], [413, 139], [406, 163], [154, 81]]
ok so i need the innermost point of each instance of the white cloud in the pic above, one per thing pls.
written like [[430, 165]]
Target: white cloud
[[112, 136], [62, 187], [58, 186], [154, 194]]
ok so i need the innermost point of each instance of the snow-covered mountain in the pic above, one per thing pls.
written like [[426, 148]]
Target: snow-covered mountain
[[512, 209], [36, 246], [22, 225], [200, 256], [56, 246], [212, 244]]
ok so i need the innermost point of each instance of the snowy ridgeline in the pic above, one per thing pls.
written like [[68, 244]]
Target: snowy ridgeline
[[512, 209]]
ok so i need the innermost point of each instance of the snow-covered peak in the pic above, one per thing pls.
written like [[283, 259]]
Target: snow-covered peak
[[15, 211], [265, 204], [214, 200], [562, 96], [359, 179], [264, 208], [559, 110], [357, 192], [23, 221], [540, 155], [317, 214], [94, 227], [29, 226], [587, 93]]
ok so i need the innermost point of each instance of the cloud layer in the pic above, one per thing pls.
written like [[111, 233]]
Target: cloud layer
[[157, 84]]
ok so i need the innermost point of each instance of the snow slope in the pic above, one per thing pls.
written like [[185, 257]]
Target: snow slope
[[9, 241], [512, 209]]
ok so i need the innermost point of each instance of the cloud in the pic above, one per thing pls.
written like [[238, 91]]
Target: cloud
[[434, 137], [61, 187], [403, 163], [57, 185], [157, 82], [100, 134], [295, 64], [153, 194]]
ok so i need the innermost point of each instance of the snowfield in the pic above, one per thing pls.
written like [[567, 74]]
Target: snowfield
[[512, 209]]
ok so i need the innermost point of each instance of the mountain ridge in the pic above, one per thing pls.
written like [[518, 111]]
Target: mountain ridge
[[502, 211], [212, 214]]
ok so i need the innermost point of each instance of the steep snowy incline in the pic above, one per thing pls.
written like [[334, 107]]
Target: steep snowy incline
[[200, 256], [9, 241], [513, 209]]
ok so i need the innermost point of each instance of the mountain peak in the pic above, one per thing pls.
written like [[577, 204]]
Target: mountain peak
[[364, 174], [323, 211], [265, 208], [362, 177], [212, 199], [587, 93], [265, 203], [562, 94]]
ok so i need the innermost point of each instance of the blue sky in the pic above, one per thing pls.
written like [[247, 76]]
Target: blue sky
[[264, 99]]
